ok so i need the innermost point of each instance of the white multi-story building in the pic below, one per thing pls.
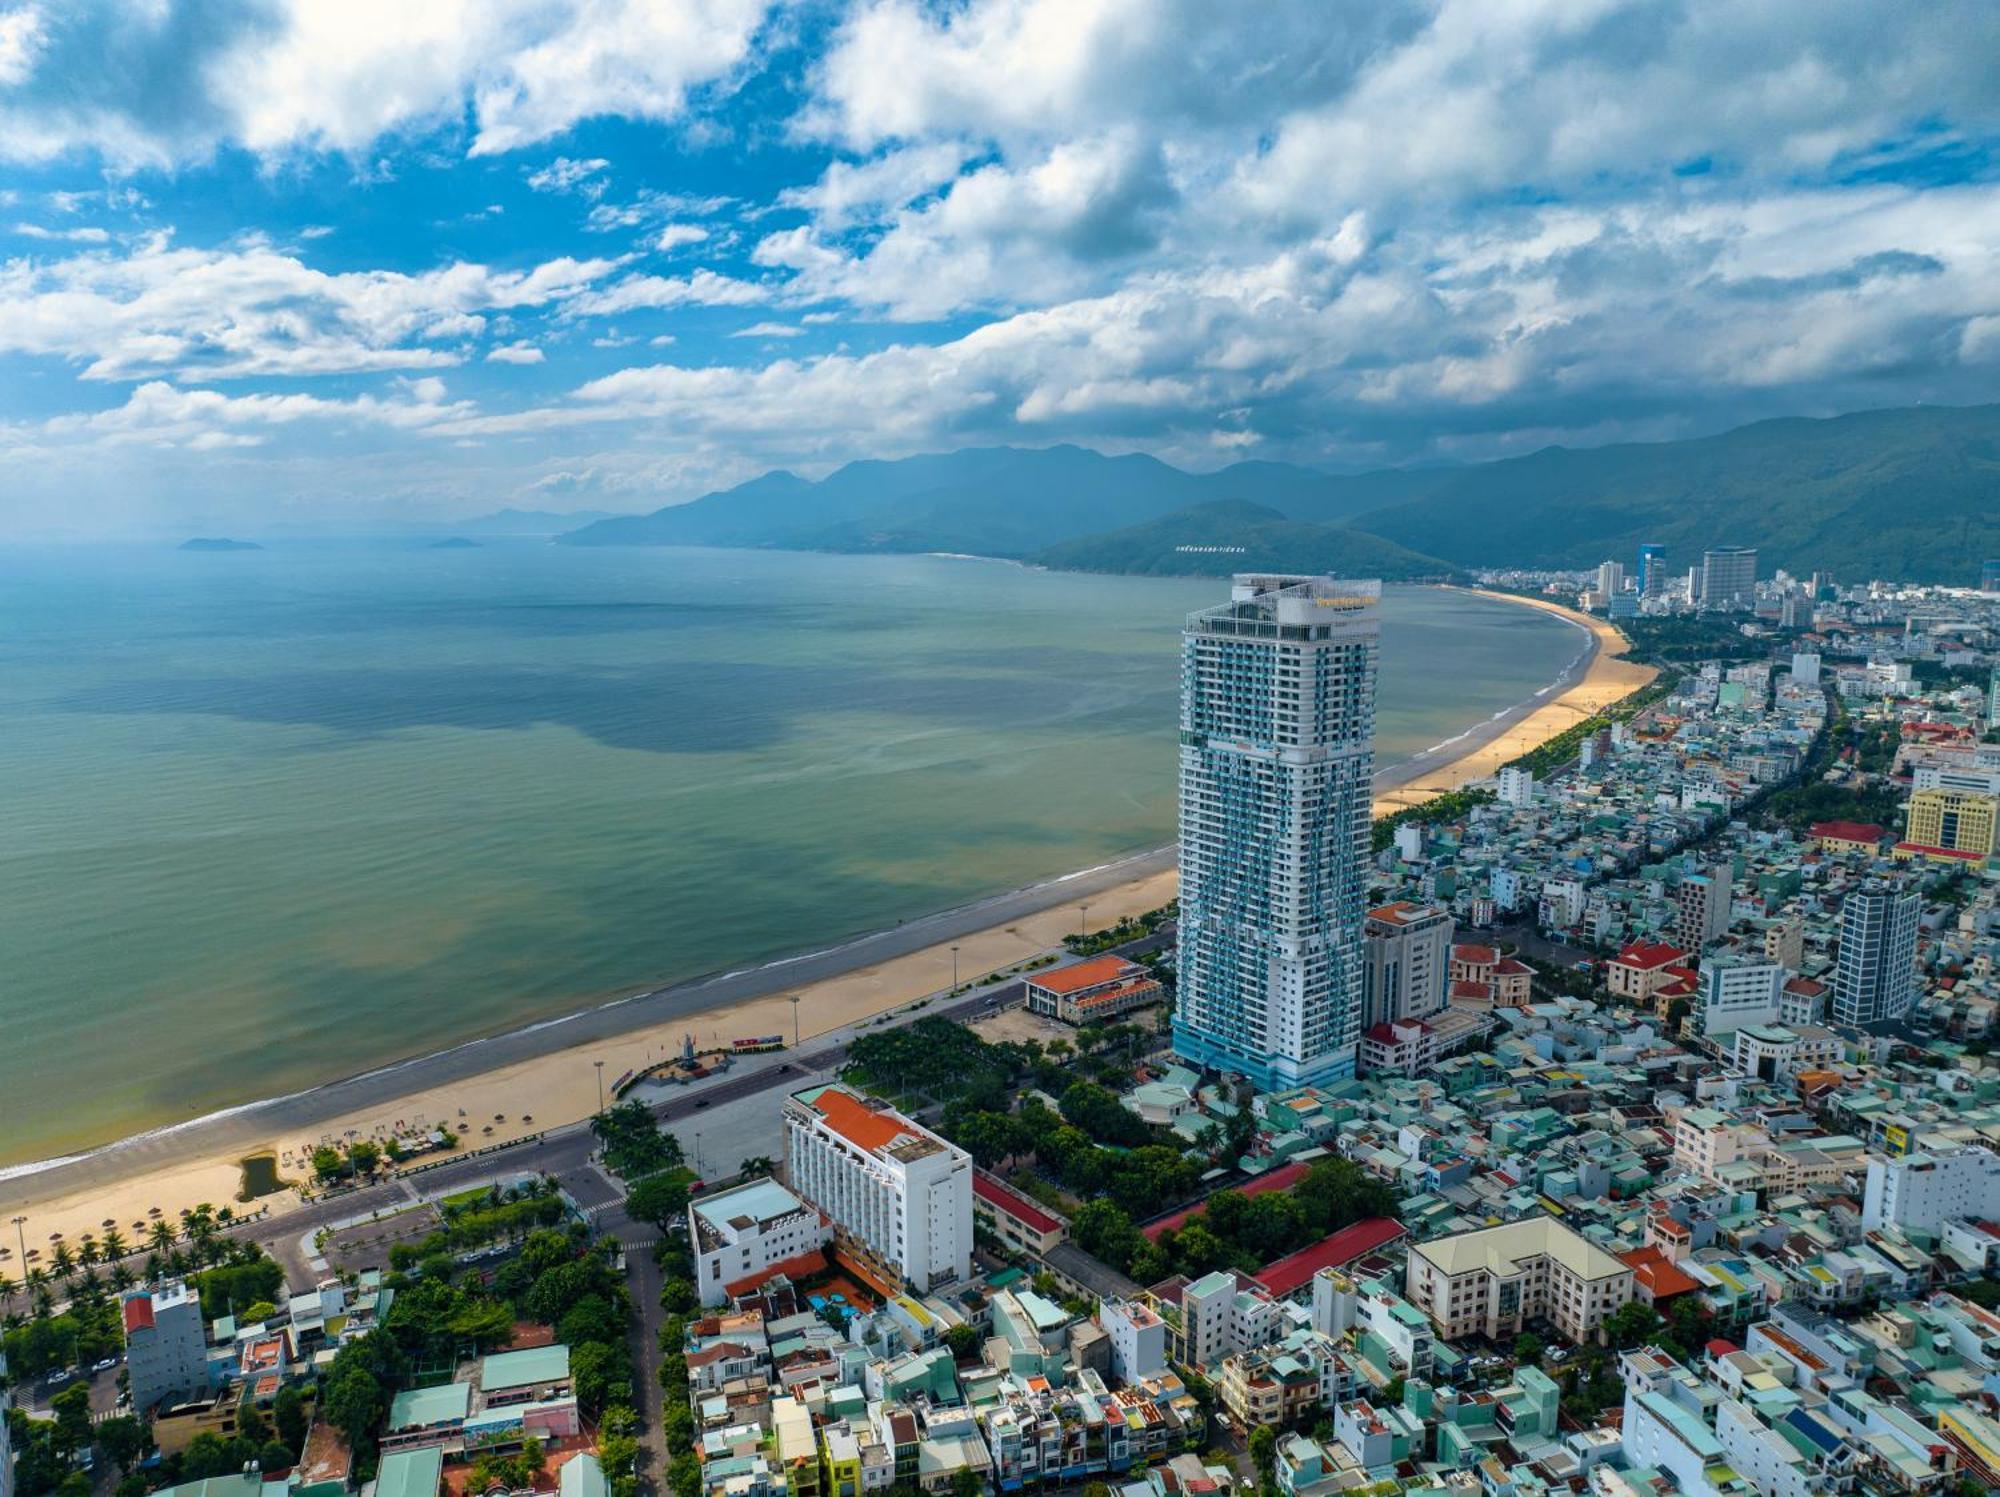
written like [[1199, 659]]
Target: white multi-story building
[[1728, 579], [1702, 905], [1517, 786], [1737, 989], [740, 1234], [1493, 1281], [1921, 1192], [1805, 668], [166, 1346], [1138, 1340], [893, 1189], [1408, 971], [1875, 976], [1277, 758]]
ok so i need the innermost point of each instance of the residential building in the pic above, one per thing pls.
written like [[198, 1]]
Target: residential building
[[1407, 949], [1702, 905], [1138, 1339], [1805, 668], [1277, 758], [895, 1191], [1846, 836], [1652, 570], [1921, 1192], [1728, 579], [1737, 988], [1875, 975], [166, 1345], [1955, 820], [1517, 786], [1091, 992], [1494, 1280], [744, 1235], [1507, 980]]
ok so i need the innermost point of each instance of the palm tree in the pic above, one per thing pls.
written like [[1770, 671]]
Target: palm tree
[[122, 1277], [756, 1164], [114, 1245], [161, 1235], [86, 1252], [6, 1287], [61, 1261], [156, 1268]]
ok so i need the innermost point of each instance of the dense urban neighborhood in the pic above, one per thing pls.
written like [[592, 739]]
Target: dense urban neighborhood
[[1622, 1122]]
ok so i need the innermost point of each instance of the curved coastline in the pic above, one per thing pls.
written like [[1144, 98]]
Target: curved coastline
[[545, 1064]]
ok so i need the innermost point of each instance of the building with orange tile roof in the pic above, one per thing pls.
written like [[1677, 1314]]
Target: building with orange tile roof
[[1092, 992], [899, 1197]]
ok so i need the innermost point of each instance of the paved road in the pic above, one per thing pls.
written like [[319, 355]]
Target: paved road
[[307, 1113]]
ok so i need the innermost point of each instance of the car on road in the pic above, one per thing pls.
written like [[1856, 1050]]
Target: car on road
[[700, 1103], [60, 1376], [104, 1366]]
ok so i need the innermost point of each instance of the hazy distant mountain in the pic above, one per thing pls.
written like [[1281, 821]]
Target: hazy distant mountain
[[527, 522], [1000, 501], [1911, 494], [218, 543], [1897, 493], [1233, 535]]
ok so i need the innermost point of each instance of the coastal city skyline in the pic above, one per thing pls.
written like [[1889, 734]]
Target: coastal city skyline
[[999, 748]]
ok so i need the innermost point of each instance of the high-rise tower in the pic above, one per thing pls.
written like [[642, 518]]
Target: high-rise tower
[[1875, 977], [1277, 756]]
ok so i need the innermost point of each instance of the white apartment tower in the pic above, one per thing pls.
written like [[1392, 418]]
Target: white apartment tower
[[1875, 977], [894, 1190], [1728, 579], [1277, 759], [1408, 955], [166, 1346]]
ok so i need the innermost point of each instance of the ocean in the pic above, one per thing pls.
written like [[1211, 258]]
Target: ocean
[[272, 817]]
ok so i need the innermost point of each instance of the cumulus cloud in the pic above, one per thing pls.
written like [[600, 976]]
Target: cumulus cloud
[[220, 314], [705, 288], [514, 353], [168, 83], [568, 174], [674, 236], [160, 414]]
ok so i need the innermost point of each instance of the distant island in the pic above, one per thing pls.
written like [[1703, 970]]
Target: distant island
[[455, 543], [218, 543]]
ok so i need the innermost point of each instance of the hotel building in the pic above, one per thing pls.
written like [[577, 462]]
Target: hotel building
[[1277, 757], [1492, 1282], [166, 1346], [898, 1195], [1408, 951], [1875, 975]]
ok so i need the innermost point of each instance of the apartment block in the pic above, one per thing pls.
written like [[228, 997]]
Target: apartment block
[[1491, 1282], [743, 1235], [166, 1345]]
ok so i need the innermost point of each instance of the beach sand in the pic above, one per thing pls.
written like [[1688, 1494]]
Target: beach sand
[[561, 1086]]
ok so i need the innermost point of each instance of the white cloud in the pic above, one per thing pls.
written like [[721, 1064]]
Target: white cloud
[[514, 353], [705, 288], [673, 236], [219, 314], [849, 192], [568, 174], [77, 236], [160, 414], [301, 74], [768, 330]]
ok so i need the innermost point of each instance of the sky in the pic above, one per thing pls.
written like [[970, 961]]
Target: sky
[[271, 264]]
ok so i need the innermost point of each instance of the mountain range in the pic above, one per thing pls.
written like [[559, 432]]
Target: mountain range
[[1910, 493]]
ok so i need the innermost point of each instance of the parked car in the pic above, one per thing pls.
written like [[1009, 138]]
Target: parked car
[[104, 1366], [60, 1376]]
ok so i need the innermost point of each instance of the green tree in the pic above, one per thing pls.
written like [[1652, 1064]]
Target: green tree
[[288, 1414], [123, 1440], [657, 1199], [684, 1476], [1264, 1456], [1528, 1349], [963, 1341], [1632, 1324], [72, 1409], [965, 1482]]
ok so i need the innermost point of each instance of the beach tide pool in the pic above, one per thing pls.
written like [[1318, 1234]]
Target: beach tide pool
[[280, 816]]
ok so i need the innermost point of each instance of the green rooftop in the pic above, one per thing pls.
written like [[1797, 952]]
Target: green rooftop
[[421, 1408], [532, 1368], [410, 1473]]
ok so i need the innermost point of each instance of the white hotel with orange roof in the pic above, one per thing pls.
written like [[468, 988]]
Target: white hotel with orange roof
[[898, 1194]]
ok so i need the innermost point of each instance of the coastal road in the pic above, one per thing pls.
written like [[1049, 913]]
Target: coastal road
[[305, 1114]]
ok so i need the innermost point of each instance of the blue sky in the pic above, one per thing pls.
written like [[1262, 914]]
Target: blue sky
[[277, 263]]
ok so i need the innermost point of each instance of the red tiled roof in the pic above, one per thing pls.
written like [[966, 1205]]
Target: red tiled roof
[[856, 1122], [1281, 1178], [1939, 852], [1012, 1202], [798, 1266], [138, 1313], [1805, 987], [1332, 1251], [1476, 956], [1720, 1348], [1465, 987], [1657, 1272], [1648, 956], [1399, 913], [1847, 831], [1509, 966], [1099, 969]]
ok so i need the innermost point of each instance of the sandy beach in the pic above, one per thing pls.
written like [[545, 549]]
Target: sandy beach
[[503, 1088]]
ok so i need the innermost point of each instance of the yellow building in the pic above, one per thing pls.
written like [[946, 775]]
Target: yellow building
[[1955, 820]]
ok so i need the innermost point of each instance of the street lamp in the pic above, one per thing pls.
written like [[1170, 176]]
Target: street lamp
[[697, 1151], [600, 1085], [1082, 923], [795, 1021], [954, 966]]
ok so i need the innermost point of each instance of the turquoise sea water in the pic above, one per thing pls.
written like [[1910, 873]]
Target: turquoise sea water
[[272, 817]]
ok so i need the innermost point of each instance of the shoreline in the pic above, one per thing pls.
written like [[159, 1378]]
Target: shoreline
[[550, 1066]]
